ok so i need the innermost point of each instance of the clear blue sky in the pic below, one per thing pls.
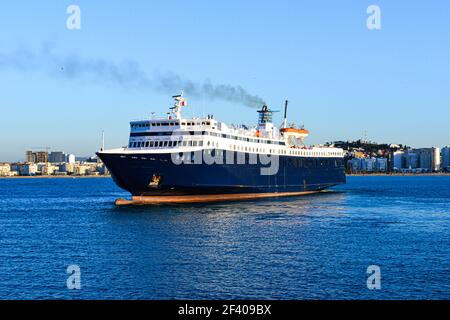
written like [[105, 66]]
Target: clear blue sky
[[341, 79]]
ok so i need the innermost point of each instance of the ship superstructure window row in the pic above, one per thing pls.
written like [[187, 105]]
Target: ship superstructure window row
[[246, 148], [205, 133], [165, 144], [168, 123], [231, 147]]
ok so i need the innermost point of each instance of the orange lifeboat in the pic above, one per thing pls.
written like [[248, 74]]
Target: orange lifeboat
[[295, 130], [298, 133]]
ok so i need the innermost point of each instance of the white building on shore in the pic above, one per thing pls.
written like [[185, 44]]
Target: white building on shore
[[71, 158], [5, 170]]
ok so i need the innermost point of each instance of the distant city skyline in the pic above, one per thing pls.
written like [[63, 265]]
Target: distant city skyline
[[61, 87]]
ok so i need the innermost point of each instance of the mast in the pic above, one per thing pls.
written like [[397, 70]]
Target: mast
[[103, 140], [285, 113], [179, 102]]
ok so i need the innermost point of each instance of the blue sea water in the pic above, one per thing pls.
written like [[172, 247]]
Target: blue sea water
[[311, 247]]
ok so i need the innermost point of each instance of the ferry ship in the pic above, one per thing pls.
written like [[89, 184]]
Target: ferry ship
[[183, 160]]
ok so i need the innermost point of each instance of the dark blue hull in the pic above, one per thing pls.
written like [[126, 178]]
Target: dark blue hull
[[136, 174]]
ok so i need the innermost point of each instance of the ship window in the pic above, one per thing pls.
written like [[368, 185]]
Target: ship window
[[194, 143], [152, 144], [208, 123], [165, 143], [147, 144]]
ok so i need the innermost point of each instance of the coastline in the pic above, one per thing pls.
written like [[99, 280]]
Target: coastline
[[398, 175], [54, 177], [348, 175]]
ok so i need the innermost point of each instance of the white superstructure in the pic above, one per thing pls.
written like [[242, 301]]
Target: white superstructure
[[176, 134]]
